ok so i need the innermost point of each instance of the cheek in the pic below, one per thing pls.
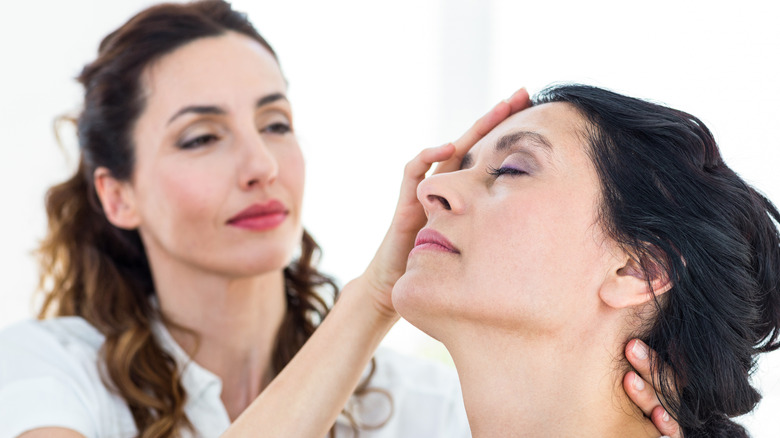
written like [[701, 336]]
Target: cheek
[[536, 262], [555, 230], [185, 195], [292, 170]]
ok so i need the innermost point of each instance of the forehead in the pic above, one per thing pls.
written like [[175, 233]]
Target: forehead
[[560, 124], [212, 68]]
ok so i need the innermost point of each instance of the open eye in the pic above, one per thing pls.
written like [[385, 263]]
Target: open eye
[[279, 128], [198, 141]]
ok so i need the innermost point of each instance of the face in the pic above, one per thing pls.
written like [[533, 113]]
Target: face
[[218, 178], [512, 238]]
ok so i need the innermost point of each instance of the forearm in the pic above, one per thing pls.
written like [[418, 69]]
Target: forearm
[[307, 396]]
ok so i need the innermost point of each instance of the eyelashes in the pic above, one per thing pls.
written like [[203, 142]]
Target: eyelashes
[[277, 128], [505, 170], [198, 141]]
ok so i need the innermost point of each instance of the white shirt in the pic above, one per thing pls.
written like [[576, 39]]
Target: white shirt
[[49, 377]]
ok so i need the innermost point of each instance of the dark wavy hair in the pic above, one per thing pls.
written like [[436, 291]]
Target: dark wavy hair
[[92, 269], [669, 199]]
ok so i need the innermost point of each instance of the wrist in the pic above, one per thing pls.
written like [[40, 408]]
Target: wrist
[[372, 299]]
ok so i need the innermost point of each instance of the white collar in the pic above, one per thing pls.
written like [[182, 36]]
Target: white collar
[[197, 380]]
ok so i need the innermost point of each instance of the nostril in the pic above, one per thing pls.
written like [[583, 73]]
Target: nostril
[[440, 199]]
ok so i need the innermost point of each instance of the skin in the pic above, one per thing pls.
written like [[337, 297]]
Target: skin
[[536, 233], [227, 282], [529, 285], [194, 172]]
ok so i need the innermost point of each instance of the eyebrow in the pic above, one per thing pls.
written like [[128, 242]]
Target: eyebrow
[[211, 109], [505, 142]]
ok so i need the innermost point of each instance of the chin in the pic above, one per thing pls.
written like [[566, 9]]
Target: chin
[[258, 264], [416, 301]]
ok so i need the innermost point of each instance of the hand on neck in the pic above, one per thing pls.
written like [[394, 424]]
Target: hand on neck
[[567, 383]]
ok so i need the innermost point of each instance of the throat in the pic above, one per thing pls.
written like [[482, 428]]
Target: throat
[[230, 328], [511, 392], [239, 392]]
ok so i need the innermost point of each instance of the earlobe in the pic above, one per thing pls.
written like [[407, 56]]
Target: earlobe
[[117, 199], [629, 285]]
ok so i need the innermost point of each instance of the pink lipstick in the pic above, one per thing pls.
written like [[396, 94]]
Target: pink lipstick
[[429, 239], [260, 217]]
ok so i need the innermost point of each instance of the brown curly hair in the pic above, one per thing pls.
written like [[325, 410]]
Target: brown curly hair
[[92, 269]]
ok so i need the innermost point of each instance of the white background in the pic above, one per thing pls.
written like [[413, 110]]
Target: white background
[[373, 83]]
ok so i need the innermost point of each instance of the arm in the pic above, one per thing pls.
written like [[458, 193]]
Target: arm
[[307, 396], [51, 432], [305, 399]]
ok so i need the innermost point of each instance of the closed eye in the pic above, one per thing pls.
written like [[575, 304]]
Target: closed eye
[[496, 172]]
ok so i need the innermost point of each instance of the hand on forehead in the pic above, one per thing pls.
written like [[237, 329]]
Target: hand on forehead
[[540, 127]]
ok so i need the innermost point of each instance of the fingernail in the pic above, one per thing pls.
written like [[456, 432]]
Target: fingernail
[[640, 350], [665, 417], [639, 384]]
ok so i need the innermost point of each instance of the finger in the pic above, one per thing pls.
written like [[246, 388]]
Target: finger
[[641, 358], [638, 354], [517, 102], [415, 171], [640, 392], [417, 168], [648, 399], [665, 423]]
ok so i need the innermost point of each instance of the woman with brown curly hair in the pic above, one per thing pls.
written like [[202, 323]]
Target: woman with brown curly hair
[[170, 264]]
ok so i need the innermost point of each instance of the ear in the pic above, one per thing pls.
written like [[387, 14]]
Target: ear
[[117, 198], [628, 285]]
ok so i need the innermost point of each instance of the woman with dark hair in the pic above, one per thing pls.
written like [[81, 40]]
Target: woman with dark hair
[[173, 292], [580, 223]]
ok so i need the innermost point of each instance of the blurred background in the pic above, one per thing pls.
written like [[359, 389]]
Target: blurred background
[[371, 84]]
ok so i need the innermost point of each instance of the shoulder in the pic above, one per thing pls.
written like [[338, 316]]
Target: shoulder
[[60, 346], [67, 333], [49, 375]]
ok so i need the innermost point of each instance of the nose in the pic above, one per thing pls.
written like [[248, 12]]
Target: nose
[[257, 164], [440, 193]]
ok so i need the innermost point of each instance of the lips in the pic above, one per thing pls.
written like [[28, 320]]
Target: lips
[[429, 239], [260, 217]]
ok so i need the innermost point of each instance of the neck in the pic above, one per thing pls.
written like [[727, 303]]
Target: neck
[[235, 324], [562, 385]]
